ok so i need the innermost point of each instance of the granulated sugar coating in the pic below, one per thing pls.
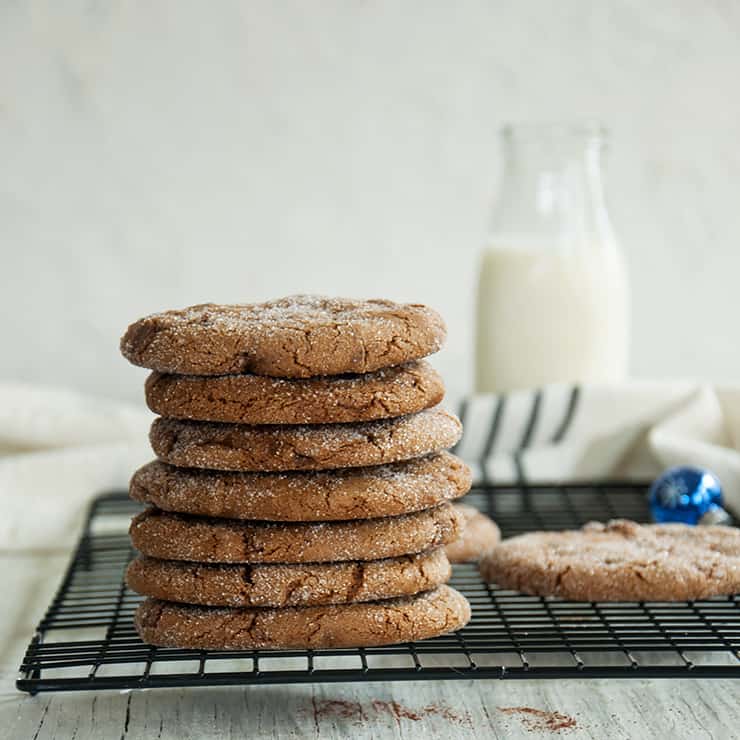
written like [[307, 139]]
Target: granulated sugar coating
[[197, 539], [292, 584], [202, 444], [620, 561], [294, 337], [351, 493], [347, 625], [255, 399]]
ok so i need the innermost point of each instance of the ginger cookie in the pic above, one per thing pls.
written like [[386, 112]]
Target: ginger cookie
[[351, 493], [299, 584], [181, 537], [620, 561], [256, 399], [204, 444], [420, 617], [294, 337], [479, 535]]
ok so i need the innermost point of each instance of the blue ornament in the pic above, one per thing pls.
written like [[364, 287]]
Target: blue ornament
[[688, 495]]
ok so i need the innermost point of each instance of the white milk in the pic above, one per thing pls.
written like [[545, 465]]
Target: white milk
[[549, 313]]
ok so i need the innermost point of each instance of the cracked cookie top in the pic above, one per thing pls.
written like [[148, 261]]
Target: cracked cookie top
[[288, 584], [620, 561], [386, 622], [256, 399], [217, 446], [293, 337], [168, 536], [308, 496]]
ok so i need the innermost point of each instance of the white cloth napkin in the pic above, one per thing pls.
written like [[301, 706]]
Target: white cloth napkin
[[59, 448]]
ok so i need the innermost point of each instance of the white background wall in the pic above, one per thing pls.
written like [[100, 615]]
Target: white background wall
[[156, 154]]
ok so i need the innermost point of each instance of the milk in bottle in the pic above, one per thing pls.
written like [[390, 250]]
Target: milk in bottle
[[553, 299]]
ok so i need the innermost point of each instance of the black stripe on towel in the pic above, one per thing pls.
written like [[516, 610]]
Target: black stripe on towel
[[570, 412], [488, 447], [521, 478], [534, 414], [462, 412]]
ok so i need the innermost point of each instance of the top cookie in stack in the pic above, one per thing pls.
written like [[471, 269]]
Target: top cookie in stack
[[294, 337], [301, 468]]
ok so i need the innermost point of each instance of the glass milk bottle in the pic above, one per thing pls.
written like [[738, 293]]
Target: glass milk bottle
[[553, 299]]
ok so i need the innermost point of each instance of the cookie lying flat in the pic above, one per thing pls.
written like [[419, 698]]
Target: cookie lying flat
[[620, 561], [255, 399], [351, 493], [203, 444], [294, 337], [348, 625], [181, 537], [288, 584], [479, 535]]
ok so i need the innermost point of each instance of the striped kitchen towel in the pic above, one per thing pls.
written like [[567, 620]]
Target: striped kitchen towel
[[597, 432]]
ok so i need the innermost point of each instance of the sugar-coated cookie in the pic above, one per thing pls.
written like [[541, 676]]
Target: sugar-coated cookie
[[294, 337], [288, 584], [204, 444], [480, 533], [256, 399], [181, 537], [426, 615], [620, 561], [350, 493]]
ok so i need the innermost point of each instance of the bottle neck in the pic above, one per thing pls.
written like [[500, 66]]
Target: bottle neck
[[551, 189]]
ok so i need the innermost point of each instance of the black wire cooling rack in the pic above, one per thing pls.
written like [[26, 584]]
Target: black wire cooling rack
[[87, 640]]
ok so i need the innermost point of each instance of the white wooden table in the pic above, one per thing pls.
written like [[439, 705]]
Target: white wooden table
[[447, 709]]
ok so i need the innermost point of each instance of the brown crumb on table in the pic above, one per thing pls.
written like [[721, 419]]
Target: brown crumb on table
[[539, 720], [395, 709], [337, 708], [399, 711], [460, 718], [355, 712]]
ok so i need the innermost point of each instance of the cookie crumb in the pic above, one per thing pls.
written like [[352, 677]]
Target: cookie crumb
[[394, 708], [338, 708], [354, 711], [539, 720], [399, 711]]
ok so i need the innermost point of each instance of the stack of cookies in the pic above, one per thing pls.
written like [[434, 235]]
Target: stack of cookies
[[301, 495]]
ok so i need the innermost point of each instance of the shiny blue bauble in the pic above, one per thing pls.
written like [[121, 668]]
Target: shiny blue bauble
[[686, 494]]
